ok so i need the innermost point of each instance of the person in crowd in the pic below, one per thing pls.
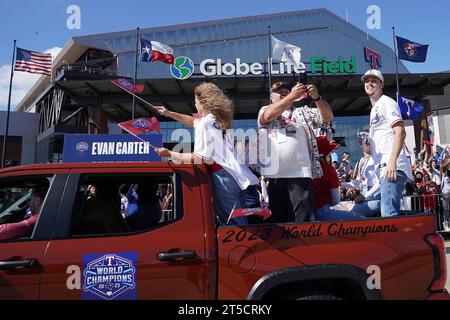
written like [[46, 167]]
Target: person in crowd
[[167, 201], [92, 192], [128, 201], [445, 187], [417, 203], [428, 190], [335, 165], [162, 192], [334, 155], [434, 172], [294, 159], [25, 227], [326, 188], [214, 146], [345, 163], [387, 138], [341, 172]]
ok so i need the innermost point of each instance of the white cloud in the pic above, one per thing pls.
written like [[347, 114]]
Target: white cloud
[[22, 83]]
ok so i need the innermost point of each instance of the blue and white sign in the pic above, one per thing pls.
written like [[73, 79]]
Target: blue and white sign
[[111, 148], [109, 276]]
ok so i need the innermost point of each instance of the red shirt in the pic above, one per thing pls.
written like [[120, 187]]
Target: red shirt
[[429, 197], [20, 229], [322, 186]]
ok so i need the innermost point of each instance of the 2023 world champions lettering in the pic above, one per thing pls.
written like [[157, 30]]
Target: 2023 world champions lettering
[[313, 231]]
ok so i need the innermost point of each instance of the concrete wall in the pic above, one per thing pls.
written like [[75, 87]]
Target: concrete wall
[[25, 125]]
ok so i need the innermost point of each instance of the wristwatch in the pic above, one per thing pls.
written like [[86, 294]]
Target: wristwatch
[[318, 98]]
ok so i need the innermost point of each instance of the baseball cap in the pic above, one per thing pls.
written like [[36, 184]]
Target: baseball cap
[[281, 85], [325, 146], [373, 73]]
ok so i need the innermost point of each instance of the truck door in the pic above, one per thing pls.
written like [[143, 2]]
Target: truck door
[[24, 239], [135, 238]]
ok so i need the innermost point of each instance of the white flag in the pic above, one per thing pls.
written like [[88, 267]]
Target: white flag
[[285, 52]]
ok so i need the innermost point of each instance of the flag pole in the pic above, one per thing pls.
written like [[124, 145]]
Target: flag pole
[[269, 61], [135, 72], [396, 61], [9, 108]]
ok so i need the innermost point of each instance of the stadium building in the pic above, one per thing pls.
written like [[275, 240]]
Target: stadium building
[[233, 53]]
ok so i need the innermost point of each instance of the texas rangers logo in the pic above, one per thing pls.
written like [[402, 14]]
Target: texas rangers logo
[[82, 146], [109, 276], [373, 57], [410, 50], [141, 124], [126, 84], [375, 120]]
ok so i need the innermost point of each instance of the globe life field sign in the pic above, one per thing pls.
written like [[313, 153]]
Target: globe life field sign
[[183, 67]]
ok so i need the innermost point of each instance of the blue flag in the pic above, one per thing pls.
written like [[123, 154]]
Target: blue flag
[[409, 108], [411, 51]]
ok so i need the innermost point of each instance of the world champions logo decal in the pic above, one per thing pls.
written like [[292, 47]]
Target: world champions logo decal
[[109, 276]]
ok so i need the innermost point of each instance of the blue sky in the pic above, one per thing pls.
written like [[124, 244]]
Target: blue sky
[[42, 25]]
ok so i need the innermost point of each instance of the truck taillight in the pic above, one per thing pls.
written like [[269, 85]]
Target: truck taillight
[[440, 271]]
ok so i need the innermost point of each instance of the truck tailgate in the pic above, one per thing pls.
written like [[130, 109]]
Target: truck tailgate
[[396, 245]]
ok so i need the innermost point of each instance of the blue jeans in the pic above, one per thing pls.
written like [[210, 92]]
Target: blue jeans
[[328, 213], [369, 208], [227, 194], [391, 194]]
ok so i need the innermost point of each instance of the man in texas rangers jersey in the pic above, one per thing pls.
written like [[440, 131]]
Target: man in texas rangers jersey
[[387, 138]]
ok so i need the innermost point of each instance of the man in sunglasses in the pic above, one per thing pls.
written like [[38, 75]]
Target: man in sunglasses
[[288, 150]]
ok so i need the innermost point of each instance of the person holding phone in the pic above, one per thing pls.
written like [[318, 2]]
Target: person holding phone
[[288, 150]]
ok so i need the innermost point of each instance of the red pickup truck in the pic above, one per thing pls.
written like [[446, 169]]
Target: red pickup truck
[[89, 247]]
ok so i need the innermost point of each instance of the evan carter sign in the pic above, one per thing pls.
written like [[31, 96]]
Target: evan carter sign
[[109, 276], [111, 148]]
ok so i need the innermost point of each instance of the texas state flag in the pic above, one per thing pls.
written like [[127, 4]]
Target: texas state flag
[[156, 51]]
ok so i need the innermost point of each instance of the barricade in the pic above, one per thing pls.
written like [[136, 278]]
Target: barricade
[[432, 203]]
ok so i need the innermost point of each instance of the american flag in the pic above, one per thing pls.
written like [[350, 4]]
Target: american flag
[[33, 62]]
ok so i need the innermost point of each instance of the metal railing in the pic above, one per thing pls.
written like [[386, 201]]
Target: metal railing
[[87, 69], [438, 204]]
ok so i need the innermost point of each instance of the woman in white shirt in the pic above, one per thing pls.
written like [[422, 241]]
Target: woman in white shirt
[[214, 146]]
